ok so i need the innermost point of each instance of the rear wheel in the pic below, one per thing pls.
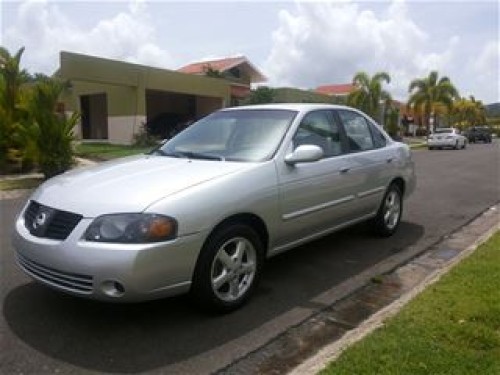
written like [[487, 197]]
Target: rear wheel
[[228, 269], [389, 214]]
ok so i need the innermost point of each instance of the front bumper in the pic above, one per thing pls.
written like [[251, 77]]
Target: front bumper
[[104, 271]]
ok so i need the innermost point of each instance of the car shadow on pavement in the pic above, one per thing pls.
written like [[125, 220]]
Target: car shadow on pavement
[[131, 338]]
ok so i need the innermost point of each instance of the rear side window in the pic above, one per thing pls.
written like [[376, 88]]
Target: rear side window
[[378, 138], [357, 130]]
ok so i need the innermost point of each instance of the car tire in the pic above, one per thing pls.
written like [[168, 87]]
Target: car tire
[[389, 213], [431, 148], [228, 269]]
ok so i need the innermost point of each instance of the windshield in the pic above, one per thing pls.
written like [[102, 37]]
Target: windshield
[[239, 135]]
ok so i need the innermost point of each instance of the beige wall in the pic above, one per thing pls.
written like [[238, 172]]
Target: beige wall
[[122, 100], [121, 129], [125, 86], [206, 105]]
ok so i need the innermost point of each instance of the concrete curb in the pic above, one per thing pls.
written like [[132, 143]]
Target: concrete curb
[[332, 351]]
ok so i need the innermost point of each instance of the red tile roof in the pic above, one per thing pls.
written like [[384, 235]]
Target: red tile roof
[[223, 65], [343, 89]]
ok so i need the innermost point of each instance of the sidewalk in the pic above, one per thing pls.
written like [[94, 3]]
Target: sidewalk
[[412, 278], [308, 347]]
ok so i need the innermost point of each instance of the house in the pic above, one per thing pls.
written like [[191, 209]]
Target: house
[[236, 70], [115, 98]]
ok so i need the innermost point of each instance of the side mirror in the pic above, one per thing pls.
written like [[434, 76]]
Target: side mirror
[[304, 154]]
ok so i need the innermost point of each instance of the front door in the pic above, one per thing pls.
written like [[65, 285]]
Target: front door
[[315, 196], [94, 109]]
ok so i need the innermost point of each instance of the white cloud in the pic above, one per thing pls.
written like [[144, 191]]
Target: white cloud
[[322, 43], [45, 30], [486, 71]]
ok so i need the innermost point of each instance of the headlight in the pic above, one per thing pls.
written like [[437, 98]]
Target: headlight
[[131, 228]]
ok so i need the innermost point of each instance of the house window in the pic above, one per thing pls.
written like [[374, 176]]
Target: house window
[[235, 72]]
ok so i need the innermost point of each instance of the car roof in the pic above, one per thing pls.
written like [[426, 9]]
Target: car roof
[[289, 106]]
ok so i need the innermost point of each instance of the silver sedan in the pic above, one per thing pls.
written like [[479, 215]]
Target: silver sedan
[[201, 213]]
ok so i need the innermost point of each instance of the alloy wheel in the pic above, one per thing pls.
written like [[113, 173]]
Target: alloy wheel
[[392, 209], [233, 269]]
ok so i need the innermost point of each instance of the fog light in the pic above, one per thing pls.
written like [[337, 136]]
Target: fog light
[[113, 288]]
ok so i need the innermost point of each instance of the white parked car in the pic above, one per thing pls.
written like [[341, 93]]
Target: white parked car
[[446, 137], [203, 211]]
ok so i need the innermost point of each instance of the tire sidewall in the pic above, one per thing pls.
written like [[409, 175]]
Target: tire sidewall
[[201, 290], [381, 227]]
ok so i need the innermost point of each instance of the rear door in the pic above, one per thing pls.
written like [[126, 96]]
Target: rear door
[[373, 163]]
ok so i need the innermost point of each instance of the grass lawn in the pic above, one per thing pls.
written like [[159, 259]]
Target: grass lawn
[[105, 151], [453, 327], [418, 146], [23, 183]]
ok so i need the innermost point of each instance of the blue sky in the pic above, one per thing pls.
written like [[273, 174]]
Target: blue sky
[[301, 44]]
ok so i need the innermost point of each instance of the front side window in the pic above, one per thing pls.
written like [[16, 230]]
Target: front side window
[[317, 128], [357, 131], [238, 135]]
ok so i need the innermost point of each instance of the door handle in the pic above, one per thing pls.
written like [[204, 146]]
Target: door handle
[[389, 160], [345, 170]]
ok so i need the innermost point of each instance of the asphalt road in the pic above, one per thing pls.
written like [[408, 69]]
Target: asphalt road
[[42, 331]]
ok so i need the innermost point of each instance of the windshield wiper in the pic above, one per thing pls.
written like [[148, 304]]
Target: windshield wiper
[[157, 151], [201, 155], [188, 154]]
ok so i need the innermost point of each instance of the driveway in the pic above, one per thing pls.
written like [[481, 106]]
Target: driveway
[[44, 332]]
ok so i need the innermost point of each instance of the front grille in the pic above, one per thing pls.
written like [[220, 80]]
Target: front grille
[[74, 282], [47, 222]]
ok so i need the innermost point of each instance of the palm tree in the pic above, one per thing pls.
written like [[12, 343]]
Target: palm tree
[[369, 94], [12, 77], [479, 111], [468, 112], [429, 95], [12, 116]]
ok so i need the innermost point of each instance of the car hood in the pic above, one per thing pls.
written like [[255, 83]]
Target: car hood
[[128, 184]]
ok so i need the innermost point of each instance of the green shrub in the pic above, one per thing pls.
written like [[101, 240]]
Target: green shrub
[[52, 131], [144, 139]]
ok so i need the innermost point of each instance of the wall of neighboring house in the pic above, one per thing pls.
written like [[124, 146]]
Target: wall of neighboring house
[[123, 109], [119, 92]]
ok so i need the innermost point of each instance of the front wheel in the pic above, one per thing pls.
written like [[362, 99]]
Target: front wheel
[[228, 269], [389, 214]]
